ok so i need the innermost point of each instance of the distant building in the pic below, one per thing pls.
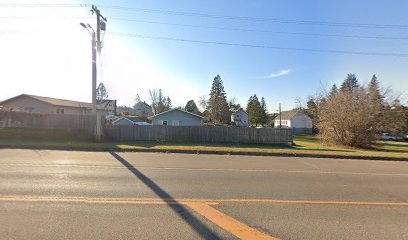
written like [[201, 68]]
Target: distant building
[[129, 120], [142, 109], [177, 117], [240, 118], [295, 119], [38, 104], [107, 104]]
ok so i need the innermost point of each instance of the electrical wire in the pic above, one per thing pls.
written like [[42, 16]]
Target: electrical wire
[[216, 16], [262, 31], [383, 54]]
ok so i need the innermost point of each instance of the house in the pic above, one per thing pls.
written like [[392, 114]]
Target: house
[[129, 120], [47, 105], [177, 117], [295, 119], [143, 109], [239, 118]]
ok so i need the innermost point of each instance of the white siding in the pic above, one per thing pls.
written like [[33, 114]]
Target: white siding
[[301, 120]]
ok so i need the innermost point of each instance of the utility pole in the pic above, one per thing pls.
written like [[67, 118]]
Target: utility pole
[[280, 116], [100, 25]]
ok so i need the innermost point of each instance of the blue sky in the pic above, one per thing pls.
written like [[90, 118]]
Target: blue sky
[[185, 70]]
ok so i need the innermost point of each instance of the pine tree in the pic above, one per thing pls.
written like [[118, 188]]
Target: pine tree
[[233, 105], [375, 91], [217, 104], [333, 91], [264, 112], [254, 110], [191, 106], [350, 83]]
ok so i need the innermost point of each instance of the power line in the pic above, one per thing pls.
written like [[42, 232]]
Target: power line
[[262, 31], [43, 5], [225, 17], [383, 54], [261, 19], [224, 28]]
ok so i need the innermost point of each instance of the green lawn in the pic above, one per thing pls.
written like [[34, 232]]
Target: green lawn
[[303, 145]]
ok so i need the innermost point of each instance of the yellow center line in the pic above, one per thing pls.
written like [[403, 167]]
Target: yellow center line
[[185, 200], [149, 201], [402, 204], [227, 223]]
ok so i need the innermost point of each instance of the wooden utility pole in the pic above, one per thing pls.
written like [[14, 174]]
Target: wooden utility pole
[[100, 25]]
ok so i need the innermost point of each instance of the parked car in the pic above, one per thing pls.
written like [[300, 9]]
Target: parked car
[[389, 137]]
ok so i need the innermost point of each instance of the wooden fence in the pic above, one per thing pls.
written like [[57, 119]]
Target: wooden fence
[[47, 121], [202, 134]]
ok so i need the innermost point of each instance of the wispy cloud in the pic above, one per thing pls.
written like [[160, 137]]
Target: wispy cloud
[[278, 74]]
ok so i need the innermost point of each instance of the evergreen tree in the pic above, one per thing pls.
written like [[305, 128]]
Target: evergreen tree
[[217, 104], [264, 112], [375, 92], [350, 83], [333, 91], [254, 110], [191, 106], [233, 105]]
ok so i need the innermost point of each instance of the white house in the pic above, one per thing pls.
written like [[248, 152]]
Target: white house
[[295, 119], [177, 117], [143, 109], [240, 118]]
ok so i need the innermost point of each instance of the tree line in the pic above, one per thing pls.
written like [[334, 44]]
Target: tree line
[[215, 107], [355, 114]]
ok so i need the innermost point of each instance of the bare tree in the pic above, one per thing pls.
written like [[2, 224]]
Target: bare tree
[[160, 103]]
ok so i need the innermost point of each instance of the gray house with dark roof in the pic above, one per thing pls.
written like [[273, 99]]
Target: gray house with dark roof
[[177, 117], [295, 119]]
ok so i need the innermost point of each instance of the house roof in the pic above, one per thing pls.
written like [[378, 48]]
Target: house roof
[[176, 109], [144, 103], [241, 110], [132, 119], [55, 101], [287, 115]]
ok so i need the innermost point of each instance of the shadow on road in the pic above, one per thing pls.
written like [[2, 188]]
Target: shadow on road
[[181, 210]]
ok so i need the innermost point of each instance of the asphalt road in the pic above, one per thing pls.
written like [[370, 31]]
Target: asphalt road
[[86, 195]]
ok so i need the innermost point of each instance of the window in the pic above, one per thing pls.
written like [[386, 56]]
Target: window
[[60, 111], [164, 122], [176, 123]]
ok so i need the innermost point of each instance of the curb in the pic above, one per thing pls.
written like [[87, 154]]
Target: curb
[[221, 152]]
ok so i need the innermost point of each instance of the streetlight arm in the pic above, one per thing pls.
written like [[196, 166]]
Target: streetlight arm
[[88, 27]]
